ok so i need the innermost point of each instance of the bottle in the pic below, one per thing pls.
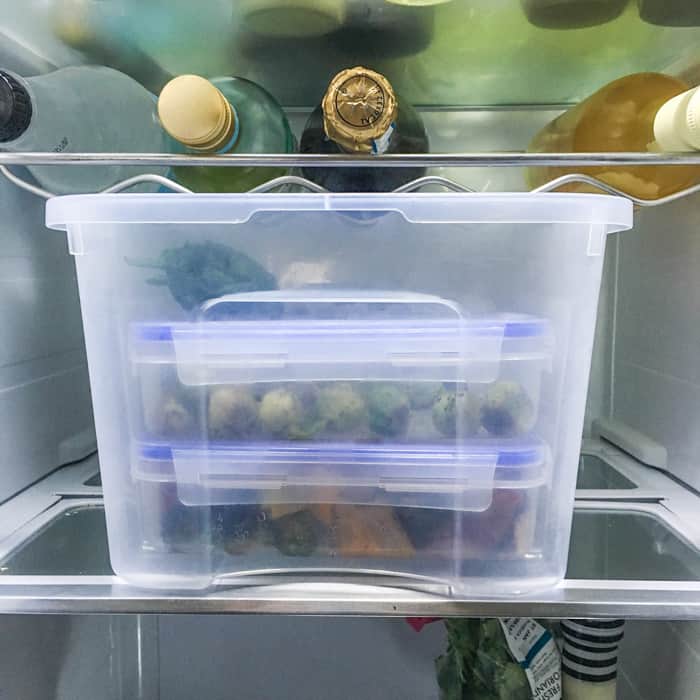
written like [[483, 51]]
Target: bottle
[[79, 109], [589, 658], [298, 19], [361, 114], [221, 116], [94, 28], [670, 13], [571, 14], [386, 30], [641, 112]]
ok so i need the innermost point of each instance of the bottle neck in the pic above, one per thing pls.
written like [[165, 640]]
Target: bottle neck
[[677, 123]]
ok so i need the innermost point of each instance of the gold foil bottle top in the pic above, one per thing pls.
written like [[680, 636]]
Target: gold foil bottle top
[[359, 110], [195, 112]]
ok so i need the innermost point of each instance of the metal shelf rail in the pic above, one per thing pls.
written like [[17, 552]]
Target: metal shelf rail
[[461, 160]]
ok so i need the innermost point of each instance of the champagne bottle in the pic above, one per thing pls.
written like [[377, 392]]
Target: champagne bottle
[[361, 114], [571, 14], [223, 115], [640, 112], [79, 109]]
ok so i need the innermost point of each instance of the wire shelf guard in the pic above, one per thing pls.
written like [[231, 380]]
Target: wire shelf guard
[[461, 160]]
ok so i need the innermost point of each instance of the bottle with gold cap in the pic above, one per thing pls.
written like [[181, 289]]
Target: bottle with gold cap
[[361, 114], [640, 112], [221, 116]]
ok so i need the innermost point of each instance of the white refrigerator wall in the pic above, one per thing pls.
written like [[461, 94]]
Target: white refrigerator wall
[[45, 408], [655, 384]]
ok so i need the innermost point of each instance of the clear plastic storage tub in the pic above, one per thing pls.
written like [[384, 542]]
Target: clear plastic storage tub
[[370, 385]]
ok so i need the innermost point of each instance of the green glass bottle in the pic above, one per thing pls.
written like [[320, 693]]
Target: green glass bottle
[[223, 116]]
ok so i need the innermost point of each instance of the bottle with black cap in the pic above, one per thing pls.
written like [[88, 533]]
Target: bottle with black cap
[[76, 110]]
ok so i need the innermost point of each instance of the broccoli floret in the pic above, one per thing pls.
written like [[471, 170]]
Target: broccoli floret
[[297, 534], [280, 412], [233, 413], [341, 408], [422, 394], [456, 412], [388, 410], [507, 410], [196, 272]]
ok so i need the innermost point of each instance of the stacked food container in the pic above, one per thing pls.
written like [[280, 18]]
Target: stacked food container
[[311, 384]]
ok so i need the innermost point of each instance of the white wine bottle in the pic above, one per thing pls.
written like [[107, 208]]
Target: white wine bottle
[[640, 112], [221, 116], [79, 109]]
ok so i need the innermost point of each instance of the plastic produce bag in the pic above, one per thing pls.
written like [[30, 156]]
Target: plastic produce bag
[[512, 658]]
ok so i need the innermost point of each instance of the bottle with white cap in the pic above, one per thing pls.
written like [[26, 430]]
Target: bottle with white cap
[[640, 112], [223, 116]]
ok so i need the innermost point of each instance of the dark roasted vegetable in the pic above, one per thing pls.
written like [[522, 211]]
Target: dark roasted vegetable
[[196, 272], [297, 534], [234, 527]]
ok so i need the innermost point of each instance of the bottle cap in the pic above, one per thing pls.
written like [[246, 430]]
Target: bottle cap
[[359, 110], [15, 108], [677, 123], [195, 112]]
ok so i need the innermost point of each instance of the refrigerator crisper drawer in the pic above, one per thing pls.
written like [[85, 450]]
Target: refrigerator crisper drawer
[[375, 384]]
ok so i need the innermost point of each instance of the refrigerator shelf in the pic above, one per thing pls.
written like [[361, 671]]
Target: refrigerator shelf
[[31, 583], [451, 160]]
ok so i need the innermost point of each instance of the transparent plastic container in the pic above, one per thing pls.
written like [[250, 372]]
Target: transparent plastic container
[[368, 385]]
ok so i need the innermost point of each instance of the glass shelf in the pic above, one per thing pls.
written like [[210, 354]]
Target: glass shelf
[[59, 563]]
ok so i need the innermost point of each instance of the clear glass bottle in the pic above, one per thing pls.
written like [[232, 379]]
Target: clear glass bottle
[[221, 116], [361, 114], [571, 14], [640, 112], [95, 28], [670, 13], [79, 109]]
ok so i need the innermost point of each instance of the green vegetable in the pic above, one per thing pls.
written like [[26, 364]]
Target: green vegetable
[[196, 272], [422, 394], [341, 408], [456, 412], [478, 664], [507, 410], [297, 534], [388, 410], [232, 414], [280, 412]]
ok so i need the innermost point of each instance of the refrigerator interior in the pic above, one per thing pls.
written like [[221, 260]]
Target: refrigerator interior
[[645, 372]]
